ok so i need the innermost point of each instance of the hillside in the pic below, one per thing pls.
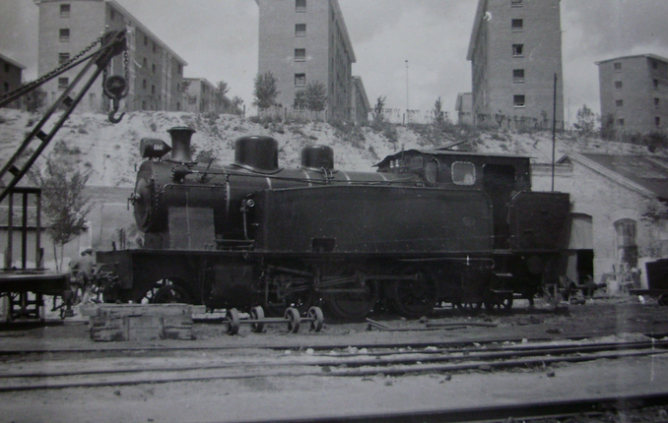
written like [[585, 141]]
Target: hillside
[[112, 151]]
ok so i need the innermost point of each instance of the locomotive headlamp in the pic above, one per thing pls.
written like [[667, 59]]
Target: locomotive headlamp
[[250, 203]]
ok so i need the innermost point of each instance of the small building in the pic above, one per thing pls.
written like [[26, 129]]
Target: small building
[[154, 71], [10, 76], [515, 52], [359, 102], [619, 212], [464, 108], [306, 41], [634, 92]]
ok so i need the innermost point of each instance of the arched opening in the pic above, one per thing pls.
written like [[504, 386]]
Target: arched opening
[[626, 245]]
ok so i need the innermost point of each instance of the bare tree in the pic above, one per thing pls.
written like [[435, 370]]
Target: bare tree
[[65, 204], [379, 110], [266, 90], [439, 116]]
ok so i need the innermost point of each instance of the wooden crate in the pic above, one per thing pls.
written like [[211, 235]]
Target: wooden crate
[[138, 322]]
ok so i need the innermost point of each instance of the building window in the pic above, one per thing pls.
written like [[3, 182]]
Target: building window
[[178, 106], [143, 84], [178, 88], [112, 14], [300, 5], [63, 83], [300, 30], [300, 54], [517, 25], [7, 68], [519, 101], [153, 69], [5, 85], [656, 84], [180, 69], [657, 102], [518, 76], [155, 48], [143, 105], [518, 50], [657, 121], [619, 85], [64, 34], [153, 89], [626, 241], [145, 40], [65, 10], [620, 122], [655, 64], [618, 67], [619, 103], [300, 79], [516, 3], [63, 58]]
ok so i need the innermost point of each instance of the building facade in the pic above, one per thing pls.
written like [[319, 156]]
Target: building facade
[[515, 53], [11, 74], [155, 72], [359, 102], [306, 41], [634, 93], [618, 208], [464, 108]]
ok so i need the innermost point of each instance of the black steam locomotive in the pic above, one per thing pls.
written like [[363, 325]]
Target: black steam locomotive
[[429, 227]]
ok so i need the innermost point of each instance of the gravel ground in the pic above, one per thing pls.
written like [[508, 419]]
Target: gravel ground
[[267, 398]]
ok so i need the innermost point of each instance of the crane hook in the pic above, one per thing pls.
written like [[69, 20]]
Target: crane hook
[[112, 118]]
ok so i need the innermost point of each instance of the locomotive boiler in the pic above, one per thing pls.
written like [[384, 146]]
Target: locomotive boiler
[[428, 227]]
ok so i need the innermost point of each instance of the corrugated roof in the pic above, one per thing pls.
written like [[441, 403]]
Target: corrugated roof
[[649, 172]]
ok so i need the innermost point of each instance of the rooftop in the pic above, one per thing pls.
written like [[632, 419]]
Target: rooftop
[[649, 55]]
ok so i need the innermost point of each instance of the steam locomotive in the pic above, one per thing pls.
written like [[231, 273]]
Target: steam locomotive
[[428, 227]]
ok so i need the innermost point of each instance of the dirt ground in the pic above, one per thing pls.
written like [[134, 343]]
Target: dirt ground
[[268, 398]]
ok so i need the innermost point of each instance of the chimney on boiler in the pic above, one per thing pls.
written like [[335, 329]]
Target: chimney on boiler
[[181, 136]]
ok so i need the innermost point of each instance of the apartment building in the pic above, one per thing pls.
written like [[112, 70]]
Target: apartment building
[[515, 52], [464, 108], [11, 73], [306, 41], [155, 71], [634, 91], [201, 96], [359, 102]]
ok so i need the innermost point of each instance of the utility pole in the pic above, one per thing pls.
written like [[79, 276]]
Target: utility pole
[[554, 127], [407, 97]]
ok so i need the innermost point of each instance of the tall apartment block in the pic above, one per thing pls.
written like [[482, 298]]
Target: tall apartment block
[[515, 51], [359, 102], [304, 41], [10, 76], [155, 72], [634, 89]]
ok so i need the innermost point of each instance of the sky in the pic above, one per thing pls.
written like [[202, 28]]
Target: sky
[[219, 40]]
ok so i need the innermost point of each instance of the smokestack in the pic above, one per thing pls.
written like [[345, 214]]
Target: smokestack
[[181, 136]]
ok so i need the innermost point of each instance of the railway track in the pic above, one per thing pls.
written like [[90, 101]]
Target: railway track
[[584, 410], [155, 368]]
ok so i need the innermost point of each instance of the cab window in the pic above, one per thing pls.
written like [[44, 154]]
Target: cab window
[[463, 173]]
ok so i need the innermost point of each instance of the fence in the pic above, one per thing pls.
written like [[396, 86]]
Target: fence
[[404, 117], [515, 123]]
